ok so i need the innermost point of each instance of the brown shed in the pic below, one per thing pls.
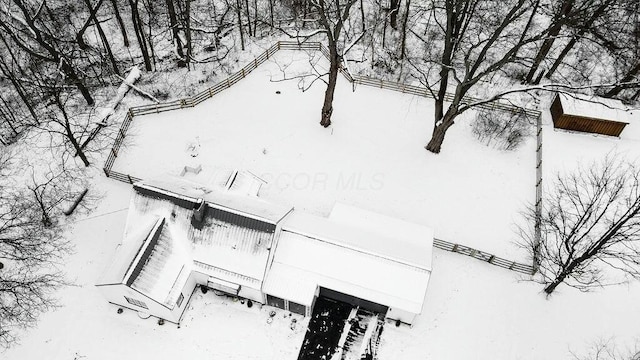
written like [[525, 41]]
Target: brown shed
[[589, 114]]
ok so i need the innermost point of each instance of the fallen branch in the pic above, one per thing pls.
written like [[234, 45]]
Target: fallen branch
[[142, 92]]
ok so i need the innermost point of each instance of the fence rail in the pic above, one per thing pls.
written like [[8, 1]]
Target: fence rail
[[484, 256], [356, 80]]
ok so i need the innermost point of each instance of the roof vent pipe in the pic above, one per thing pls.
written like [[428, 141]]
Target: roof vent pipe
[[198, 211]]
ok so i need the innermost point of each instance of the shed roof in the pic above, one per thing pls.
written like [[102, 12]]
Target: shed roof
[[596, 107]]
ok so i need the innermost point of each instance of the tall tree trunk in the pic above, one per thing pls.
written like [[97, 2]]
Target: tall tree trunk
[[150, 12], [440, 130], [239, 15], [83, 29], [271, 12], [135, 18], [405, 19], [70, 73], [173, 23], [19, 90], [633, 72], [557, 23], [8, 116], [255, 18], [103, 37], [574, 39], [327, 106], [246, 7], [123, 30], [69, 132], [187, 30], [393, 15]]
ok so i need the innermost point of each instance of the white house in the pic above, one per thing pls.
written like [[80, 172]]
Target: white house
[[180, 234], [355, 256]]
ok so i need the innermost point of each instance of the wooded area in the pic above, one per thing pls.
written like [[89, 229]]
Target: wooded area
[[61, 61]]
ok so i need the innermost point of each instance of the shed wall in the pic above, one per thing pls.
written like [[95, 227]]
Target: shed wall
[[556, 109], [589, 125]]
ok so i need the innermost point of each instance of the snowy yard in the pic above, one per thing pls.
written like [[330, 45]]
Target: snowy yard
[[372, 156], [472, 311], [87, 327]]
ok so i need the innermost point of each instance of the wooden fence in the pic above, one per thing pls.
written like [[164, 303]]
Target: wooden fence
[[484, 256], [357, 80], [538, 203]]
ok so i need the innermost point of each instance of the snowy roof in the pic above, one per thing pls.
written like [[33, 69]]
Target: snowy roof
[[126, 253], [370, 232], [303, 263], [234, 201], [228, 242], [596, 107], [150, 261], [163, 242], [164, 266]]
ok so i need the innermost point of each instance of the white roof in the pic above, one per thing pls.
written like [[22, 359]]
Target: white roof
[[166, 268], [596, 107], [223, 245], [231, 200], [302, 263], [126, 253], [370, 232]]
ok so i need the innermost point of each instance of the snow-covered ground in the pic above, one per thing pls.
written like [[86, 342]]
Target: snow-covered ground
[[372, 156], [468, 194], [87, 327], [475, 311]]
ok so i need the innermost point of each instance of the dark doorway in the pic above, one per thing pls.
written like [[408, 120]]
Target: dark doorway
[[329, 319], [353, 301], [325, 327]]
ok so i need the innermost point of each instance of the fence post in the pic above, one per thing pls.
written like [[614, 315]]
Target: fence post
[[242, 72], [106, 172], [114, 152], [129, 177], [121, 133]]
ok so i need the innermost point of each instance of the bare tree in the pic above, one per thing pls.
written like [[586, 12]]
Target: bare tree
[[30, 253], [35, 34], [590, 226], [65, 128], [479, 39], [607, 350]]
